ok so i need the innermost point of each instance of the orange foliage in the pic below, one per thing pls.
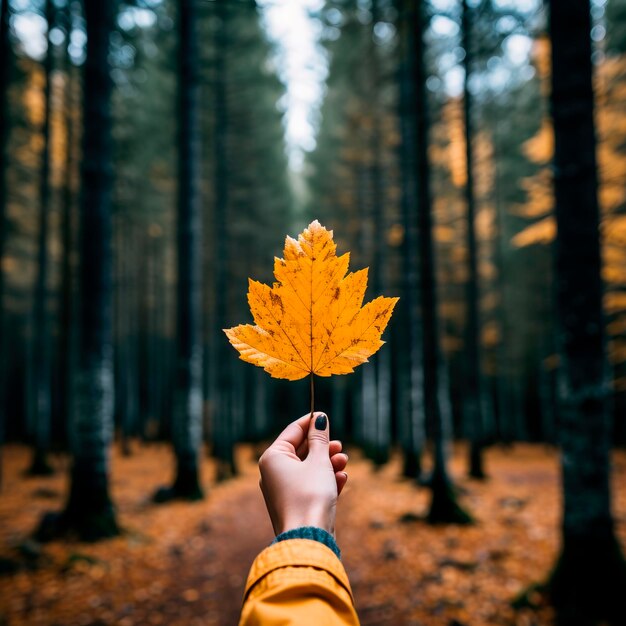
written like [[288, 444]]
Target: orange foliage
[[485, 172], [541, 57], [540, 148], [491, 334], [617, 327], [614, 302], [614, 275], [540, 200], [453, 120], [395, 235], [486, 223], [33, 99], [543, 231], [614, 231], [311, 320], [617, 351], [444, 234]]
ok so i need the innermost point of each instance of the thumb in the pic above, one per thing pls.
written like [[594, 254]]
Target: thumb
[[318, 436]]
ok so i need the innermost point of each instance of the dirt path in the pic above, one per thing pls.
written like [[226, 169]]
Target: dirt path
[[185, 564]]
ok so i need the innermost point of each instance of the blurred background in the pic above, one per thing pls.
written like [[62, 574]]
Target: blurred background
[[200, 133]]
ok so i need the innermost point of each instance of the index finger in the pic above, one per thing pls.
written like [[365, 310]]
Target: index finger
[[295, 434]]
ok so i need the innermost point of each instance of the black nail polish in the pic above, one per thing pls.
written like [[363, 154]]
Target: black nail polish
[[320, 422]]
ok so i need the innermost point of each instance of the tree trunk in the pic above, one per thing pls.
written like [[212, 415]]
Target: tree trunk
[[40, 358], [126, 355], [223, 402], [67, 313], [444, 507], [366, 406], [338, 406], [473, 400], [382, 362], [590, 576], [412, 402], [89, 512], [187, 422], [504, 406], [154, 365], [6, 63]]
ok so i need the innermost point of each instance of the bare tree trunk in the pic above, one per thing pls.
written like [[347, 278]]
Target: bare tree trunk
[[473, 400], [154, 338], [223, 416], [40, 358], [366, 203], [412, 400], [89, 511], [187, 419], [6, 63], [503, 391], [382, 362], [339, 405], [444, 507], [126, 357], [67, 314], [588, 583]]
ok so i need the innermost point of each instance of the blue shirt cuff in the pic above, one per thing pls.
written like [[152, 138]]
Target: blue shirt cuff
[[310, 532]]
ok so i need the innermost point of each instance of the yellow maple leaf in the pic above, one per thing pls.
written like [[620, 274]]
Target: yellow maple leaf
[[311, 320]]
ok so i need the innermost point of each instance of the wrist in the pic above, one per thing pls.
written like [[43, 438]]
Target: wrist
[[303, 521]]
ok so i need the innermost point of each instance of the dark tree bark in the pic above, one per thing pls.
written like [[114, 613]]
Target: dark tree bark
[[364, 200], [444, 507], [154, 362], [412, 400], [187, 419], [129, 265], [473, 391], [67, 313], [40, 357], [338, 406], [89, 511], [6, 63], [588, 583], [504, 407], [381, 365], [223, 441]]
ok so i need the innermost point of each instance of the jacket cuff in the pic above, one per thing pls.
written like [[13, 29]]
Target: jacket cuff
[[296, 553], [310, 532]]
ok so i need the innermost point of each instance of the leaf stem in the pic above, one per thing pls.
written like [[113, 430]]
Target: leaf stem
[[312, 394]]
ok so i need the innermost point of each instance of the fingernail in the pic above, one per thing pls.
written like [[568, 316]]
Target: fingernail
[[320, 422]]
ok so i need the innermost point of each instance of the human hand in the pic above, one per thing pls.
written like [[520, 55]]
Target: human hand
[[302, 474]]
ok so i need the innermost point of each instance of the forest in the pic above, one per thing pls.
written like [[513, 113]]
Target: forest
[[154, 155]]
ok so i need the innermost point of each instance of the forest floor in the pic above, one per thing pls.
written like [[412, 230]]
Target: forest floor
[[186, 563]]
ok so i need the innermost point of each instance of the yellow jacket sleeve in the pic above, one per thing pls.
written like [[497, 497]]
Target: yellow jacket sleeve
[[298, 582]]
